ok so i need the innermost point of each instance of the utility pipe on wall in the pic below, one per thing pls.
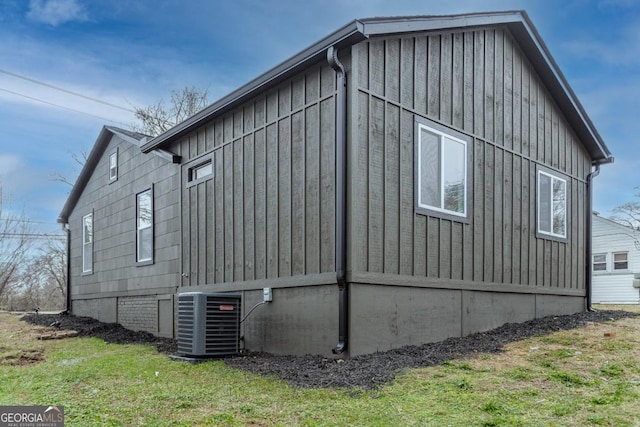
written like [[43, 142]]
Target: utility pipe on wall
[[341, 198]]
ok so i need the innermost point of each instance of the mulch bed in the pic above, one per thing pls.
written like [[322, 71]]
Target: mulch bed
[[367, 371]]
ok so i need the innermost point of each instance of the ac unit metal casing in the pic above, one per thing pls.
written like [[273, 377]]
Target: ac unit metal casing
[[208, 324]]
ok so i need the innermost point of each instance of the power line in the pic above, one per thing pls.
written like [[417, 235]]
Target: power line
[[63, 107], [70, 92], [32, 236]]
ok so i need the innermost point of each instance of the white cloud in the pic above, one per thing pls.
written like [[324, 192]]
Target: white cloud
[[56, 12]]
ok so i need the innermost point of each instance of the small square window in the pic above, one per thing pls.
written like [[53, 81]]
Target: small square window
[[113, 166], [620, 261], [599, 262]]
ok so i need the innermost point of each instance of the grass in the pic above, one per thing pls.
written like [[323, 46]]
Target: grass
[[570, 378]]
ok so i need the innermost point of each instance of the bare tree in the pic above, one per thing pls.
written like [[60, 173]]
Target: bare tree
[[80, 159], [628, 214], [14, 247], [42, 282], [158, 118]]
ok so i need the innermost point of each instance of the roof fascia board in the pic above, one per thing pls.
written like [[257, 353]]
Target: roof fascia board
[[403, 25], [347, 35]]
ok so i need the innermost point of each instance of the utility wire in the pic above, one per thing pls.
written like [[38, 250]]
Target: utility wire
[[70, 92], [63, 107]]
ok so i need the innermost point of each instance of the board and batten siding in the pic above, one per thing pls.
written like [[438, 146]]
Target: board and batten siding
[[269, 211], [479, 83]]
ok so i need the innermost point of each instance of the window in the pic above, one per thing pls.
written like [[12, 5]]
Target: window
[[144, 224], [113, 166], [199, 170], [620, 261], [599, 262], [552, 205], [87, 243], [442, 171]]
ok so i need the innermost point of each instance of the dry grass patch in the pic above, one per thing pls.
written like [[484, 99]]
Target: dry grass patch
[[19, 342]]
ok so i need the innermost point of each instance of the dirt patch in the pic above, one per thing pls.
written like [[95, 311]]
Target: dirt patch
[[366, 371], [21, 357]]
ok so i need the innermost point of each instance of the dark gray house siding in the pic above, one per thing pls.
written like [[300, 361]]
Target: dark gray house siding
[[255, 202], [471, 276], [117, 289], [267, 218]]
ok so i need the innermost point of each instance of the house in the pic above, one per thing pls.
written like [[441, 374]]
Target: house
[[615, 262], [122, 220], [401, 181]]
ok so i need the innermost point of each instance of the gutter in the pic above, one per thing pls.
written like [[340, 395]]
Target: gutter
[[341, 198], [588, 230], [67, 308]]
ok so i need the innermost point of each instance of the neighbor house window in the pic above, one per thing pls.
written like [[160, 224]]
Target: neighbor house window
[[87, 243], [144, 224], [199, 170], [113, 166], [442, 171], [599, 262], [620, 261], [552, 205]]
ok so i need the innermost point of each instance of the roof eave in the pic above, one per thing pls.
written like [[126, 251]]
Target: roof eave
[[347, 35], [90, 164], [518, 23]]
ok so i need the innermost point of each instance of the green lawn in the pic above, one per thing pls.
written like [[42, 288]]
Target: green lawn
[[572, 378]]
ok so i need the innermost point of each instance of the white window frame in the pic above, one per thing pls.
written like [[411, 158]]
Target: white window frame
[[445, 136], [614, 262], [87, 244], [141, 230], [551, 234], [594, 262], [113, 169]]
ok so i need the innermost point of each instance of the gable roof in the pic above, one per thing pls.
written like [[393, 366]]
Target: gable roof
[[616, 225], [106, 134], [358, 30]]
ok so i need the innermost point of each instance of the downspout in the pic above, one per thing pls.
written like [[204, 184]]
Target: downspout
[[588, 230], [341, 199], [67, 308]]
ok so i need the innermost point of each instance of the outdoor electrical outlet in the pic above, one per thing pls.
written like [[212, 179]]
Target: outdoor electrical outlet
[[266, 294]]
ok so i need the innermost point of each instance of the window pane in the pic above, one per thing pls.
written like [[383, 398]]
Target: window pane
[[202, 171], [87, 257], [544, 202], [620, 257], [113, 165], [620, 261], [87, 232], [454, 171], [144, 210], [599, 267], [430, 169], [145, 245], [600, 258], [559, 206]]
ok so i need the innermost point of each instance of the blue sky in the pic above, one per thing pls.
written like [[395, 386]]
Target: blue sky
[[135, 52]]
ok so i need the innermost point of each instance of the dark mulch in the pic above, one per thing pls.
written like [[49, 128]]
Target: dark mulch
[[366, 371], [110, 332]]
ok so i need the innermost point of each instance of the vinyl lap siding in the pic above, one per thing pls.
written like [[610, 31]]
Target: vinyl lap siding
[[480, 83], [269, 211]]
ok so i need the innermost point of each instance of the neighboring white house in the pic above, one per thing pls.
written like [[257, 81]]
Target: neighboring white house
[[615, 260]]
